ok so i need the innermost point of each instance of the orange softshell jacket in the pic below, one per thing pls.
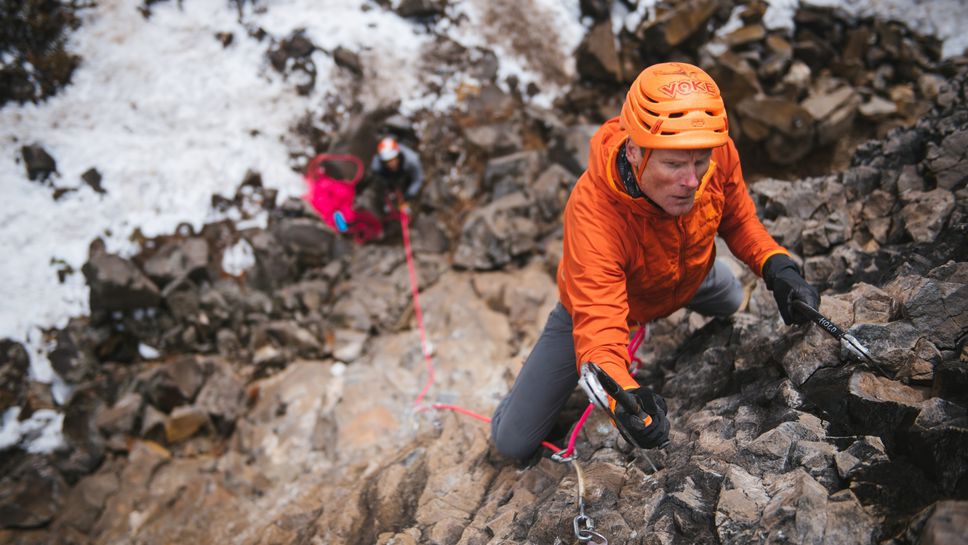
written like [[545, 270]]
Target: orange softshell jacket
[[625, 260]]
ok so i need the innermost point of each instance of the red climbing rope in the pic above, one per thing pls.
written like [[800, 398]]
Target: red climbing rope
[[418, 402], [414, 292]]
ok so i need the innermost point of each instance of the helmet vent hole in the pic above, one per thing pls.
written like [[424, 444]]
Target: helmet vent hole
[[674, 115], [653, 114]]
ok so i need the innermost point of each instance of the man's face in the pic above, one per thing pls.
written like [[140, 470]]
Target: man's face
[[671, 177], [393, 164]]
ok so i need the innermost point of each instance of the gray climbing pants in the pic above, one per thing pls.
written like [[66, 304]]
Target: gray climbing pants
[[523, 419]]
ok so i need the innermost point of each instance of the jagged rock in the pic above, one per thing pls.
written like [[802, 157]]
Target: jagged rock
[[936, 307], [178, 258], [184, 422], [123, 416], [39, 164], [344, 58], [14, 368], [181, 297], [792, 504], [925, 213], [429, 235], [877, 108], [495, 139], [511, 173], [879, 406], [348, 344], [495, 234], [274, 267], [735, 77], [85, 447], [153, 424], [676, 25], [569, 148], [296, 46], [833, 111], [309, 240], [85, 503], [898, 346], [116, 284], [596, 57], [772, 451], [421, 8], [93, 179], [222, 397], [33, 493], [786, 128], [940, 433], [861, 457], [172, 384], [488, 105], [946, 525], [948, 161]]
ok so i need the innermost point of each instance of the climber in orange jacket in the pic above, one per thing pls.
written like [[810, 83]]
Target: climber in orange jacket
[[663, 180]]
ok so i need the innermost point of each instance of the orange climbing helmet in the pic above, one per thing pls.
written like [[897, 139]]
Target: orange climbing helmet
[[675, 105], [388, 148]]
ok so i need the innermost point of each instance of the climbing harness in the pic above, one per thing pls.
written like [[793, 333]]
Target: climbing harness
[[848, 341]]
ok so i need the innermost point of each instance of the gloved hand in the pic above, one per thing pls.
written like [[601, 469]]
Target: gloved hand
[[656, 433], [783, 278]]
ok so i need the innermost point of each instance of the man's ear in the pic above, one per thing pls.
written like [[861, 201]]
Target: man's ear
[[633, 153]]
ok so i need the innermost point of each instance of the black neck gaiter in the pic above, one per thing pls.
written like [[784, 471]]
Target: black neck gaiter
[[627, 175]]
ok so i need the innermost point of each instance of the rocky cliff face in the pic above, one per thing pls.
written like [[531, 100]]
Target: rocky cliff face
[[274, 405]]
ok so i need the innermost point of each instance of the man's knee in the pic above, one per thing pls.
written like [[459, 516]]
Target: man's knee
[[509, 444]]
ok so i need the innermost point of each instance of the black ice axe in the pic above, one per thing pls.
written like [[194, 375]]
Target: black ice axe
[[847, 340]]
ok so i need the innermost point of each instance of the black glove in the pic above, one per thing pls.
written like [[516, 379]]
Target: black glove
[[656, 433], [783, 278]]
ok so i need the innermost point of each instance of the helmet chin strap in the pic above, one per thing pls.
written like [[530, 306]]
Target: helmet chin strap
[[646, 153]]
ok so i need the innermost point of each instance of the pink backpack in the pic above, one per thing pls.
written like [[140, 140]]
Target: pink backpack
[[333, 199]]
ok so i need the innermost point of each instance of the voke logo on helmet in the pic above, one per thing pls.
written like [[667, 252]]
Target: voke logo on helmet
[[687, 87]]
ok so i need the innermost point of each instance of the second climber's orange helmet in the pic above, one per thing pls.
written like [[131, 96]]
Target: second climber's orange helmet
[[675, 105], [388, 149]]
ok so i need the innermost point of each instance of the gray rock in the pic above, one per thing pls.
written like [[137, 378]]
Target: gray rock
[[116, 284], [495, 139], [948, 162], [925, 213], [861, 457], [14, 368], [344, 58], [222, 397], [493, 235], [33, 493], [938, 309], [85, 502], [946, 525], [879, 406], [596, 57], [742, 499], [172, 384], [421, 8], [121, 417], [39, 164], [178, 258], [511, 173], [941, 433]]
